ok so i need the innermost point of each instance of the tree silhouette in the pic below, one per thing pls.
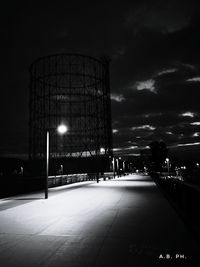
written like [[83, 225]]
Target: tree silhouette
[[159, 153]]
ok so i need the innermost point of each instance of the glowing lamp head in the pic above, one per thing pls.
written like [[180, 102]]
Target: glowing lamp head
[[102, 150], [167, 160], [62, 129]]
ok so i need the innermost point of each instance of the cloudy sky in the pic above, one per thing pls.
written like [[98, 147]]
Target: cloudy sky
[[155, 69]]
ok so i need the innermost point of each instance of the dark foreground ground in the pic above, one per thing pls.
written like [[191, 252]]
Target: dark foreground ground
[[122, 222]]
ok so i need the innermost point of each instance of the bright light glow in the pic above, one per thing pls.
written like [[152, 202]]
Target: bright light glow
[[194, 79], [144, 127], [102, 150], [62, 129], [196, 134], [188, 114], [117, 97], [195, 123], [146, 85], [167, 159], [183, 167]]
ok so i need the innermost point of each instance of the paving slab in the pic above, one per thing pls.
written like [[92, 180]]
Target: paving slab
[[120, 222]]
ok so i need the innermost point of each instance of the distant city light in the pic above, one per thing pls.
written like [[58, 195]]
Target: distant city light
[[183, 167], [102, 150]]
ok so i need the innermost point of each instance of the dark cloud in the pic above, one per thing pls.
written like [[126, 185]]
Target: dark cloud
[[166, 109], [163, 16]]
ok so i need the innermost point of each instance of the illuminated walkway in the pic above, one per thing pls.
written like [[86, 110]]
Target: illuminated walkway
[[121, 222]]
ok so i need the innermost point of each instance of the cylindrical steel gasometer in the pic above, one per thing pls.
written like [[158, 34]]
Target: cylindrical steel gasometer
[[70, 89]]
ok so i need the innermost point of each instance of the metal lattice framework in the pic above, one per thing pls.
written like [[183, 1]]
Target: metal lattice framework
[[71, 89]]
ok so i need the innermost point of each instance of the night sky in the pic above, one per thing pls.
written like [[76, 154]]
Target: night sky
[[154, 48]]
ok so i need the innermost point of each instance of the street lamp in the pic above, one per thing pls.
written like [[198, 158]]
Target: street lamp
[[61, 169], [113, 162], [61, 129], [167, 161], [102, 150], [118, 170]]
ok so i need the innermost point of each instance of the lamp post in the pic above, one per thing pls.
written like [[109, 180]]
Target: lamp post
[[61, 169], [124, 167], [117, 166], [113, 161], [47, 165], [167, 161], [61, 129]]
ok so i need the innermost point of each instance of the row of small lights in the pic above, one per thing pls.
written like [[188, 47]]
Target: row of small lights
[[182, 167]]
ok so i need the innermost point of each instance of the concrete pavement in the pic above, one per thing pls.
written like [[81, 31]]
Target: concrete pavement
[[121, 222]]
